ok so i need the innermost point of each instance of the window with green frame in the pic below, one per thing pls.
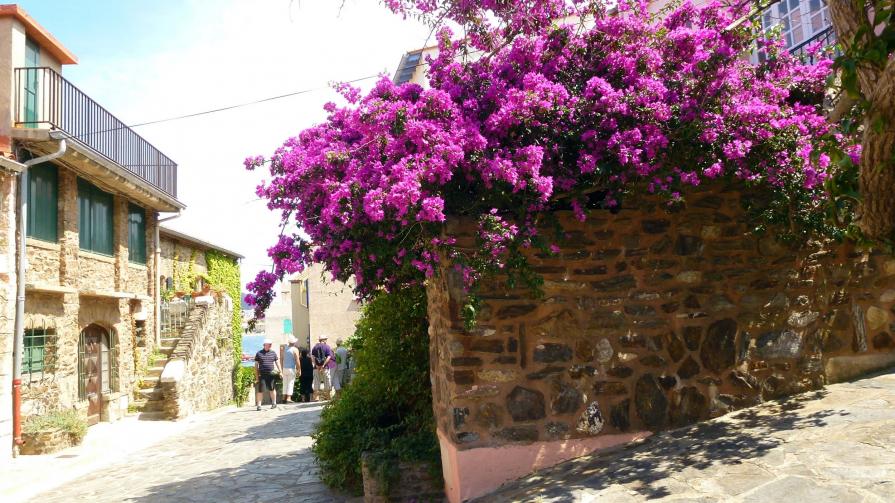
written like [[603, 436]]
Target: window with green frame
[[95, 218], [136, 234], [43, 202], [36, 341]]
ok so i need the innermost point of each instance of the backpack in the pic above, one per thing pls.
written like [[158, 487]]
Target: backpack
[[319, 355]]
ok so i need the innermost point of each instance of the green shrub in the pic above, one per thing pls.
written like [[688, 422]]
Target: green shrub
[[387, 409], [243, 380], [66, 420]]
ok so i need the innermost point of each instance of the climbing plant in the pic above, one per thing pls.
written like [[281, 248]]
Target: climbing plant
[[223, 274]]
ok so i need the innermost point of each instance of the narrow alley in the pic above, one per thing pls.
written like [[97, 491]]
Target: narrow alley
[[238, 455]]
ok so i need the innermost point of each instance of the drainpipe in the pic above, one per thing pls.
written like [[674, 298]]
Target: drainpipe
[[19, 331], [158, 284]]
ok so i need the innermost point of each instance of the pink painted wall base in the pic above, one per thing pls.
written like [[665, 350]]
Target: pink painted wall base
[[475, 472]]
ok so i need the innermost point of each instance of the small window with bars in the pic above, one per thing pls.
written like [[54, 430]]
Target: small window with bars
[[36, 342]]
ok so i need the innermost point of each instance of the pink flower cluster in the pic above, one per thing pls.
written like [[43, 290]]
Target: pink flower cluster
[[623, 103]]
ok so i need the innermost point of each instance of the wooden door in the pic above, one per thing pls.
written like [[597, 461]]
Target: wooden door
[[92, 342]]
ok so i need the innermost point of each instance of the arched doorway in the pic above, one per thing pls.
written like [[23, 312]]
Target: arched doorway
[[94, 369]]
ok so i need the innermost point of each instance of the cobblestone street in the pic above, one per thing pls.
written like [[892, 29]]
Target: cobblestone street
[[833, 445], [242, 455]]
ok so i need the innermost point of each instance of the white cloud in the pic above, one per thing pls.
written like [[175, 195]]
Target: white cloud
[[233, 52]]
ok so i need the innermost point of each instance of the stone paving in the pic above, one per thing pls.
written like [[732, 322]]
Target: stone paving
[[833, 445], [242, 455]]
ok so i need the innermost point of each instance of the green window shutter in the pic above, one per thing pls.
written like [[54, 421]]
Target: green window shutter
[[34, 342], [136, 234], [95, 219], [43, 202], [32, 80]]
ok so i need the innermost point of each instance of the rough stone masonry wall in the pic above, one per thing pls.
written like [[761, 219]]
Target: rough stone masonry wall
[[96, 286], [652, 320], [199, 376]]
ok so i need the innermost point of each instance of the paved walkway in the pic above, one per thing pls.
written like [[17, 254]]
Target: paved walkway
[[834, 445], [238, 455]]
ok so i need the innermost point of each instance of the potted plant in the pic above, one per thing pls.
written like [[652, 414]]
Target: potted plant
[[53, 432]]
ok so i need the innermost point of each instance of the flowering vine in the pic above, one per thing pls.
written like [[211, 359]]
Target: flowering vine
[[551, 115]]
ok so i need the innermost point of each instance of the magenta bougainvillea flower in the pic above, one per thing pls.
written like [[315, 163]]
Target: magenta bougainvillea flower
[[548, 116]]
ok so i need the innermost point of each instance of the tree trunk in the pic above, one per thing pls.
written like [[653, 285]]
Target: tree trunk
[[876, 212]]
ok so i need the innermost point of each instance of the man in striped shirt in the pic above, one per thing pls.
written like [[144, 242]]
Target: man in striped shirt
[[266, 370]]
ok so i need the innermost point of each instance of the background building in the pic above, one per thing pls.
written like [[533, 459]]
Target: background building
[[322, 306]]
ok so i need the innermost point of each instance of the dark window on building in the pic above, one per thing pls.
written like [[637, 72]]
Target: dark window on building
[[35, 341], [408, 66], [136, 234], [43, 202], [95, 218]]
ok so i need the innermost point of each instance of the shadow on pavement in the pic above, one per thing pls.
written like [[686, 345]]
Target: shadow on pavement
[[645, 467], [290, 477]]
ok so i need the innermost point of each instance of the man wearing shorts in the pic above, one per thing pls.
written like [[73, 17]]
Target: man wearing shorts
[[266, 370]]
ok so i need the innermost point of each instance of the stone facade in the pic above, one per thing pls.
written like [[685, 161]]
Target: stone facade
[[176, 255], [199, 375], [652, 320], [69, 289], [7, 306]]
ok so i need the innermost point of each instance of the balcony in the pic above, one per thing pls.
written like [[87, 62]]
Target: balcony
[[45, 100], [826, 37]]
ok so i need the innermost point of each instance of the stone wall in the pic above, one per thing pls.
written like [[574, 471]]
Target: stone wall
[[70, 289], [7, 308], [652, 320], [199, 375], [177, 254]]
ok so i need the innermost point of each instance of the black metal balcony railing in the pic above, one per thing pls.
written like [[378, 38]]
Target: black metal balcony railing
[[826, 37], [45, 98]]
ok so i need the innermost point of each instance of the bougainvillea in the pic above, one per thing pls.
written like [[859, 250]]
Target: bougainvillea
[[535, 114]]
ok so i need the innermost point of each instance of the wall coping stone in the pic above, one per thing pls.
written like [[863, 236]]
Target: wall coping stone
[[39, 243], [173, 371], [96, 256]]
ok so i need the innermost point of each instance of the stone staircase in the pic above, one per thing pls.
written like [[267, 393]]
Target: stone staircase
[[148, 397]]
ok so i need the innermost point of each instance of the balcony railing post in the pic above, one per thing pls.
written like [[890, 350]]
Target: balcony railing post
[[62, 106]]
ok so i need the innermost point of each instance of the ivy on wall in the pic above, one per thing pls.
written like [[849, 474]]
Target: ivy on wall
[[223, 274]]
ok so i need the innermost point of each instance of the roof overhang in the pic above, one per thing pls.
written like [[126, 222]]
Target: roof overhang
[[171, 233], [99, 170], [40, 34]]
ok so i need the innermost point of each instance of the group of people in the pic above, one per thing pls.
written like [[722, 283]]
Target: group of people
[[321, 371]]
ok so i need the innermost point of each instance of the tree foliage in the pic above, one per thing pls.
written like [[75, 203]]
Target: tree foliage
[[386, 411]]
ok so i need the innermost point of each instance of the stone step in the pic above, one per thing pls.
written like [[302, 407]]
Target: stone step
[[152, 416], [170, 341], [148, 393], [156, 370], [148, 382], [148, 405]]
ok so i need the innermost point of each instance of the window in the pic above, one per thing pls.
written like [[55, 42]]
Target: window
[[36, 341], [95, 218], [799, 20], [43, 202], [303, 292], [136, 234]]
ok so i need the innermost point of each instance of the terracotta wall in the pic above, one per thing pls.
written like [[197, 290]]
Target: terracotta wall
[[652, 320]]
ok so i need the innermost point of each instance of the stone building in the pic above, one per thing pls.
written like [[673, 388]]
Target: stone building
[[92, 254], [322, 306], [90, 290]]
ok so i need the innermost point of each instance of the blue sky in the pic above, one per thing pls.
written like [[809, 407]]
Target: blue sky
[[151, 60]]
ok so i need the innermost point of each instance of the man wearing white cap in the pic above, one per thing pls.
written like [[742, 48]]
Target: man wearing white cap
[[266, 370], [290, 358], [324, 364]]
